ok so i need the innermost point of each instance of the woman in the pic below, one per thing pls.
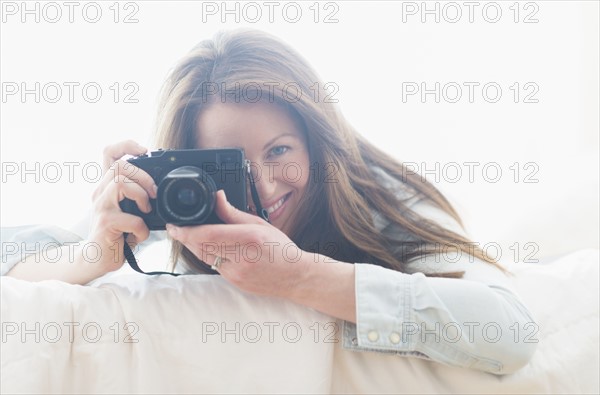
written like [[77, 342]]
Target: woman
[[352, 233]]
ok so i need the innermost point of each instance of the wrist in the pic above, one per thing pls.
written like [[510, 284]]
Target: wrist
[[93, 261], [324, 284], [302, 277]]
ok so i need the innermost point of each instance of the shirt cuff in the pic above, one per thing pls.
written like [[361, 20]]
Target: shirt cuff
[[383, 323]]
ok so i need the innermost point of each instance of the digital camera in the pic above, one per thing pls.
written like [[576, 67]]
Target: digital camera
[[188, 181]]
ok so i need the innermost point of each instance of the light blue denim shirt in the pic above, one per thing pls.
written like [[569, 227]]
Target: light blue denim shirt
[[476, 322]]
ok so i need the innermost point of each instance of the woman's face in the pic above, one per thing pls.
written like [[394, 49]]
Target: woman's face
[[275, 144]]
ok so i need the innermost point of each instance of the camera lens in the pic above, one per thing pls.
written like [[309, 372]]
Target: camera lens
[[186, 196]]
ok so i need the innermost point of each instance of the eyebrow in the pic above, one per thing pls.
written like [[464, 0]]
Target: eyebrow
[[276, 138]]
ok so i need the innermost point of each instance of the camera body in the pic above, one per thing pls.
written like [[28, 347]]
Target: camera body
[[187, 183]]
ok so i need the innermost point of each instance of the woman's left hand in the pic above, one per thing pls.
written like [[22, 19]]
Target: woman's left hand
[[256, 256]]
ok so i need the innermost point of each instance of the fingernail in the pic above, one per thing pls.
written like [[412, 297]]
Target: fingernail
[[172, 230], [225, 196], [155, 190]]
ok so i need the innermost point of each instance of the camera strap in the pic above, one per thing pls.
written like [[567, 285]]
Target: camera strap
[[255, 199], [130, 256]]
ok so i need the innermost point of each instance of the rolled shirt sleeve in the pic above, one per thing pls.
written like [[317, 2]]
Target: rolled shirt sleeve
[[476, 322], [453, 321]]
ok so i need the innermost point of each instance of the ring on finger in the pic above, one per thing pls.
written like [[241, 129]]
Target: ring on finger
[[217, 263]]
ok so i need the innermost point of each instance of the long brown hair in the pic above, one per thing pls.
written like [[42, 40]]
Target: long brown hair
[[337, 216]]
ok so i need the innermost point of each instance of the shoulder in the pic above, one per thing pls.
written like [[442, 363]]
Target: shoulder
[[402, 191], [445, 260], [409, 199], [404, 195]]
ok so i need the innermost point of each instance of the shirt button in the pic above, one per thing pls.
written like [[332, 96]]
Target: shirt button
[[395, 338], [373, 336]]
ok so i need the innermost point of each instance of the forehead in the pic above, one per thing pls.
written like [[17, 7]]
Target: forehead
[[244, 124]]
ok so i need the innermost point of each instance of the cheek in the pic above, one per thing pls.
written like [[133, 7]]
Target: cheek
[[298, 172]]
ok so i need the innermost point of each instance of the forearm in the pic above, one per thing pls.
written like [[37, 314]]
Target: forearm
[[67, 264], [446, 320], [327, 286]]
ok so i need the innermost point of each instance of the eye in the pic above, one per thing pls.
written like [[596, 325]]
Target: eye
[[279, 150]]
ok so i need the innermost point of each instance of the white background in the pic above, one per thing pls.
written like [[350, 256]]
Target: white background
[[368, 53]]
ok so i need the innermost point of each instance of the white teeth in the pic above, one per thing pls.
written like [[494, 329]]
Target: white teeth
[[276, 205]]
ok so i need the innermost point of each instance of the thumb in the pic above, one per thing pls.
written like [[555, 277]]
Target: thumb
[[230, 214]]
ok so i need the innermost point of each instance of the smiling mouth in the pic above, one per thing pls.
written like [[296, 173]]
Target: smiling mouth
[[278, 204]]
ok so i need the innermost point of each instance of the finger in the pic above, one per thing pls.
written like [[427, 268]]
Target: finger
[[135, 226], [132, 174], [116, 151], [136, 193], [204, 256], [230, 214], [135, 174], [220, 239], [118, 222], [217, 262], [121, 190], [205, 252]]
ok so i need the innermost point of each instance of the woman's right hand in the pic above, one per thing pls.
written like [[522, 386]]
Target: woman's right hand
[[121, 180]]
